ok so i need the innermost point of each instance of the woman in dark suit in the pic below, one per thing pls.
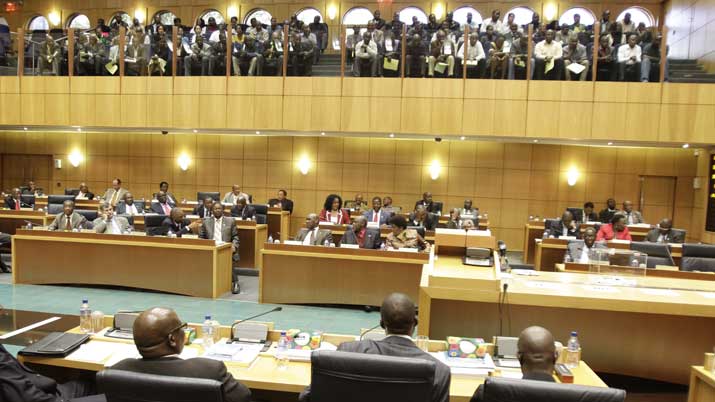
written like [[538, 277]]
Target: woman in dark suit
[[333, 211]]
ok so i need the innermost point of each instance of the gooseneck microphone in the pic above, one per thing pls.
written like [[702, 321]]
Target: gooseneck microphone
[[368, 331], [250, 318]]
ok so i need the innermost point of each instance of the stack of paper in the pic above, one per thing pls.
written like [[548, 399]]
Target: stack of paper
[[242, 354], [480, 366]]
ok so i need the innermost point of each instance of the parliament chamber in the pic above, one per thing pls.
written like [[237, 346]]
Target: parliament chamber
[[418, 201]]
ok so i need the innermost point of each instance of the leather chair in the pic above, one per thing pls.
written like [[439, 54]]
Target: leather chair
[[28, 199], [658, 253], [71, 191], [347, 377], [438, 207], [549, 224], [261, 219], [54, 209], [204, 194], [59, 199], [127, 386], [682, 232], [499, 389], [698, 257], [152, 225], [260, 208], [90, 215]]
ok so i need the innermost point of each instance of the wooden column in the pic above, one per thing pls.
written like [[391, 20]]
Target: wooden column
[[403, 52], [663, 52], [20, 52], [286, 53], [596, 46], [177, 46], [529, 51], [70, 52], [122, 43], [229, 49], [343, 49], [465, 47]]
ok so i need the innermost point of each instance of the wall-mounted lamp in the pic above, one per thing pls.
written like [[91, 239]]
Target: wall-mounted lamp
[[184, 161], [304, 165], [75, 158], [434, 170], [232, 11], [550, 11], [140, 14], [572, 176], [438, 10], [332, 12], [54, 18]]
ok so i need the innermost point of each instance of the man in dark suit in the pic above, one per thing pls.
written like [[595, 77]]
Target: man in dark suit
[[19, 383], [377, 214], [84, 193], [399, 319], [159, 338], [243, 211], [282, 202], [15, 201], [536, 353], [129, 206], [606, 214], [164, 187], [587, 214], [579, 251], [161, 207], [426, 202], [177, 224], [359, 234], [566, 226], [222, 229], [421, 217], [204, 210], [664, 233]]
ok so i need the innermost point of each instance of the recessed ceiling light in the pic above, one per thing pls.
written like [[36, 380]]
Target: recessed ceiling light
[[686, 146], [536, 140], [323, 133], [24, 128], [462, 138], [79, 129], [610, 143], [258, 133], [196, 131], [392, 135]]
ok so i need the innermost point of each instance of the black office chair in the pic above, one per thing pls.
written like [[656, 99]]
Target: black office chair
[[54, 209], [88, 214], [260, 208], [28, 199], [72, 191], [658, 253], [347, 377], [437, 207], [153, 225], [201, 195], [698, 257], [127, 386], [550, 223], [499, 389], [682, 232], [59, 199], [261, 219], [577, 213]]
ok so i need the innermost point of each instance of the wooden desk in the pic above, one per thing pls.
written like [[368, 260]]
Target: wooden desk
[[533, 230], [702, 385], [278, 223], [616, 324], [338, 231], [264, 376], [41, 203], [252, 237], [11, 220], [550, 252], [331, 275], [186, 266]]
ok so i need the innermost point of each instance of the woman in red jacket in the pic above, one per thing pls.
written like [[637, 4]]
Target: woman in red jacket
[[333, 211], [616, 229]]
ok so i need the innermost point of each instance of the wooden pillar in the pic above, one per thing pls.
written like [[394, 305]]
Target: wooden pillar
[[286, 52], [177, 45], [465, 48], [20, 52], [70, 51], [596, 46], [529, 51], [403, 48], [229, 49], [122, 43], [343, 49], [663, 52]]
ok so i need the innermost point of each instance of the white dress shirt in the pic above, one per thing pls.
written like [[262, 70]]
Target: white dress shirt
[[625, 52], [310, 237], [584, 259], [474, 53], [369, 52], [113, 227], [543, 50], [498, 25], [131, 209]]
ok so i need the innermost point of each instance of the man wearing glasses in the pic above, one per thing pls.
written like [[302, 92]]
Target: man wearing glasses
[[159, 338]]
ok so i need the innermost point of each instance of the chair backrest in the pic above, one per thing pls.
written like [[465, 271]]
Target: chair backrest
[[127, 386], [437, 207], [698, 257], [550, 223], [577, 213], [88, 214], [261, 219], [681, 232], [658, 253], [71, 191], [28, 199], [346, 377], [59, 199], [201, 195], [498, 389], [152, 225], [54, 209], [260, 208]]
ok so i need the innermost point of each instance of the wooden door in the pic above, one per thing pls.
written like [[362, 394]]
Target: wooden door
[[657, 198], [17, 170]]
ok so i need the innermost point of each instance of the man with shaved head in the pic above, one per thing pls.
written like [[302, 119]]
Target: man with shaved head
[[399, 319], [312, 234], [664, 233], [358, 233], [159, 338], [632, 217]]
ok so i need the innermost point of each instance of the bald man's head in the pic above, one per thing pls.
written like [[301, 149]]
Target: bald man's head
[[158, 332], [399, 314], [536, 351]]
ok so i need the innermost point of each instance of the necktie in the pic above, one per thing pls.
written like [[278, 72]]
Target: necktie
[[17, 205], [375, 216], [114, 197], [312, 236], [69, 222], [167, 211]]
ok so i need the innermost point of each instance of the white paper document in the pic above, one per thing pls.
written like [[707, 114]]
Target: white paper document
[[576, 68]]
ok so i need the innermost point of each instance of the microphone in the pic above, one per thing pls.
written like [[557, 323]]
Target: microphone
[[368, 331], [502, 248], [250, 318]]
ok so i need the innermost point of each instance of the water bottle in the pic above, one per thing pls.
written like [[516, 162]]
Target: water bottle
[[207, 330], [216, 330], [326, 243], [567, 258], [572, 351], [270, 239], [85, 317], [282, 343]]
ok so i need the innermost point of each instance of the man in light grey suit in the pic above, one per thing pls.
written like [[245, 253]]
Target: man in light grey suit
[[231, 198], [109, 223], [311, 235], [68, 219], [114, 194], [377, 214], [664, 233], [222, 229], [578, 251], [632, 217], [357, 233]]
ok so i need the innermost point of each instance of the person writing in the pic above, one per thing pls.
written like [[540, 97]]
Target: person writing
[[333, 211], [243, 211], [664, 233]]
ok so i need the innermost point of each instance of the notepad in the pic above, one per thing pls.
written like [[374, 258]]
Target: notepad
[[242, 354]]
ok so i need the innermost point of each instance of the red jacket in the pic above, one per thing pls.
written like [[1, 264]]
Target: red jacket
[[606, 233], [343, 217]]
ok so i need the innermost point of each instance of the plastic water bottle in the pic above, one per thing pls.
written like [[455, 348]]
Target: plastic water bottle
[[216, 327], [572, 351], [207, 330], [85, 317], [282, 343], [270, 239], [326, 243]]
